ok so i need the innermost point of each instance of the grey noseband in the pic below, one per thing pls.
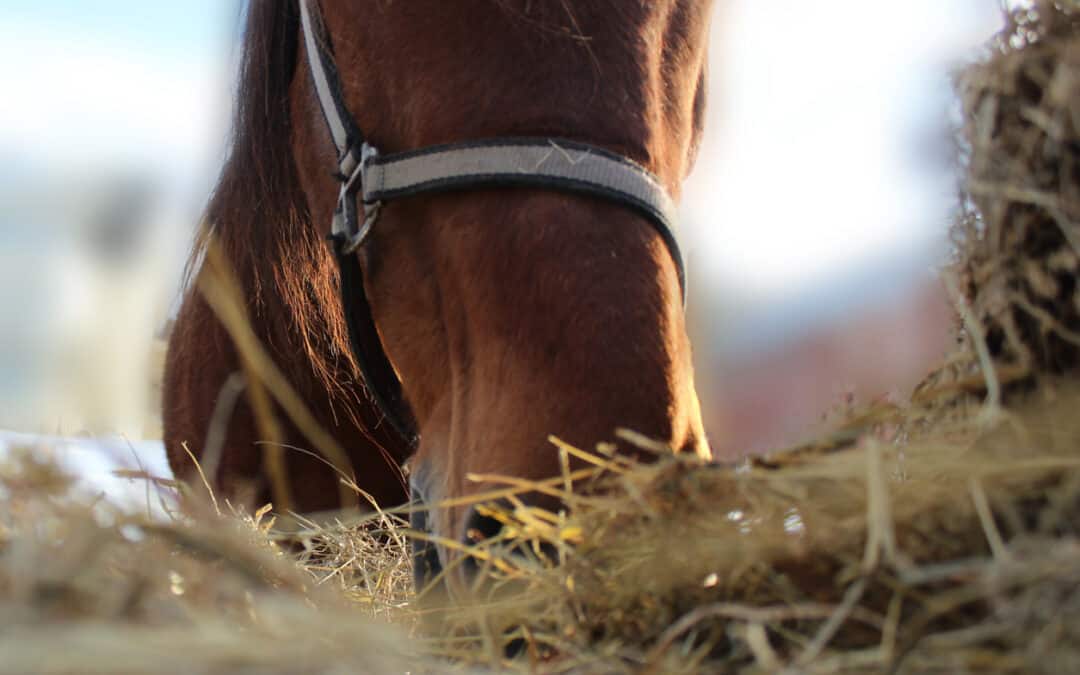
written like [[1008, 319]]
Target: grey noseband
[[369, 179]]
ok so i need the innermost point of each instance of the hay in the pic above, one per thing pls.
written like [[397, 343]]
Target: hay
[[1019, 235], [85, 588], [937, 536]]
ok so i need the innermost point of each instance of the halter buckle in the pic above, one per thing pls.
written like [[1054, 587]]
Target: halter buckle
[[371, 214], [345, 225]]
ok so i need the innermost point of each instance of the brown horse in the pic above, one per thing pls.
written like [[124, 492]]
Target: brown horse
[[509, 314]]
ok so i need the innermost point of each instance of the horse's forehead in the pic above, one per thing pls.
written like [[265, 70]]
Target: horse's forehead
[[419, 27], [598, 69], [535, 12]]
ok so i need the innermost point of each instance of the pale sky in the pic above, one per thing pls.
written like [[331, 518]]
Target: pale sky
[[117, 83], [810, 163], [822, 123], [813, 181]]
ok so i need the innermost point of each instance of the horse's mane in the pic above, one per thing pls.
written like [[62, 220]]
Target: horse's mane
[[259, 218]]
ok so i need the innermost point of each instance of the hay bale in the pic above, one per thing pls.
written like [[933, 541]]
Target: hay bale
[[1020, 237], [87, 588]]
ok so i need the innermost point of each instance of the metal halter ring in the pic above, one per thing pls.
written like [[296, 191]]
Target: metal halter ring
[[345, 220]]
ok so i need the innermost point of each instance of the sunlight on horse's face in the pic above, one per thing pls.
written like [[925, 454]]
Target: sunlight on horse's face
[[514, 314]]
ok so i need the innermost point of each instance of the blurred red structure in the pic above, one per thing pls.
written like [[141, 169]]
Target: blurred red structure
[[769, 398]]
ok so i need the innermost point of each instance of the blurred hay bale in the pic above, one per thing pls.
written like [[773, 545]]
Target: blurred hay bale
[[1020, 237], [919, 557], [85, 588]]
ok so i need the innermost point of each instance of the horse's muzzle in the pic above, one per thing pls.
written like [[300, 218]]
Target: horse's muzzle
[[481, 530]]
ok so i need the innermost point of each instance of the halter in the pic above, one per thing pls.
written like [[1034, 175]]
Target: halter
[[369, 179]]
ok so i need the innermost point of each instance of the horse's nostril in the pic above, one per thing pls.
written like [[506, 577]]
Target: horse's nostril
[[481, 526], [426, 565]]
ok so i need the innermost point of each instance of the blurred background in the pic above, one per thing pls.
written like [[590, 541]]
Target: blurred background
[[813, 224]]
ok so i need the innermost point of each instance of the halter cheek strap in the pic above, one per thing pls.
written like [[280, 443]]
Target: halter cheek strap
[[369, 179]]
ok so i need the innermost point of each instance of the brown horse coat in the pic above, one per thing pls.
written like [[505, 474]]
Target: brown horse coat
[[509, 314]]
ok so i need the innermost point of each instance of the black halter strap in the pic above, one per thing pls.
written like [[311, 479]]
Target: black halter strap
[[368, 179], [380, 379]]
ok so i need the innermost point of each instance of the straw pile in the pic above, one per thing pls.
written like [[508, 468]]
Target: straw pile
[[937, 536], [85, 588]]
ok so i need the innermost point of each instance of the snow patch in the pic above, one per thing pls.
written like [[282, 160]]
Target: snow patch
[[93, 462]]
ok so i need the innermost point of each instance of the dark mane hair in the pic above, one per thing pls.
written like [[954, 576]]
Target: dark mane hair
[[259, 217]]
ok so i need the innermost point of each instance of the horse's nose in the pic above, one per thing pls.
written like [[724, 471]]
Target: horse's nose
[[483, 528], [427, 569], [480, 526]]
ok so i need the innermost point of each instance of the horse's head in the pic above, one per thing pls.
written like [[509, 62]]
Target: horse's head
[[511, 314]]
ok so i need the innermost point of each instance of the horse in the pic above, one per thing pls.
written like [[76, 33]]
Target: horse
[[502, 312]]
